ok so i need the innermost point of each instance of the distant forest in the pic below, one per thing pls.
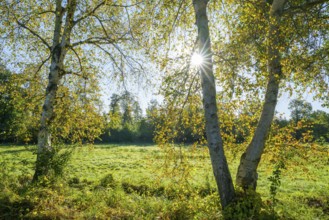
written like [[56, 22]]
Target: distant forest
[[126, 122]]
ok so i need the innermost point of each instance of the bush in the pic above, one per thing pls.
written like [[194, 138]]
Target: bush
[[247, 205]]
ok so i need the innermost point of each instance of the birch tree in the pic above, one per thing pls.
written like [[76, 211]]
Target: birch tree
[[247, 175], [280, 14], [215, 143], [66, 35], [268, 45]]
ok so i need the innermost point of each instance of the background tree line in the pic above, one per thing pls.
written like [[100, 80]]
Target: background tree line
[[125, 121]]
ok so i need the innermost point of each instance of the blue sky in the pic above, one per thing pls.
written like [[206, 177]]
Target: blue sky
[[283, 102]]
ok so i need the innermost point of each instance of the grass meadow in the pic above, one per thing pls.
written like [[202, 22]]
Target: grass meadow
[[143, 182]]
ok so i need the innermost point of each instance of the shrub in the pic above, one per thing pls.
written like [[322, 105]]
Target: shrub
[[247, 205]]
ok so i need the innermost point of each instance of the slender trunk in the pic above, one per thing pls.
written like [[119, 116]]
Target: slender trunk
[[247, 171], [215, 143], [45, 150]]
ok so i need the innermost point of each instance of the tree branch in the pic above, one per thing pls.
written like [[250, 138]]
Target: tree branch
[[305, 6], [43, 63], [77, 55], [33, 33], [130, 29], [45, 12], [76, 74], [99, 40], [101, 23], [94, 40], [112, 58], [88, 13], [126, 6]]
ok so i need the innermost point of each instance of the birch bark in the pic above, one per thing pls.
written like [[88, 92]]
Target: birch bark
[[61, 41], [215, 143], [247, 172]]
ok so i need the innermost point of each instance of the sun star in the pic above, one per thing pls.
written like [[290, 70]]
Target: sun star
[[197, 59]]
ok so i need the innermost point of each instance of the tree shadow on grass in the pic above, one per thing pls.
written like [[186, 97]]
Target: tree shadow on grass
[[14, 209], [13, 151]]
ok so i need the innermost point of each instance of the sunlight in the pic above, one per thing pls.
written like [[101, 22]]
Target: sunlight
[[197, 59]]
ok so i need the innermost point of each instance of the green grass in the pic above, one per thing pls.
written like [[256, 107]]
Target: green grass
[[141, 182]]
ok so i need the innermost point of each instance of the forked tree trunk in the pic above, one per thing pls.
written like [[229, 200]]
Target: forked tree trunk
[[215, 143], [247, 171], [45, 150]]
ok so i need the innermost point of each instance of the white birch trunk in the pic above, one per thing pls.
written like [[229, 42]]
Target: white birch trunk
[[247, 171], [215, 143], [45, 150]]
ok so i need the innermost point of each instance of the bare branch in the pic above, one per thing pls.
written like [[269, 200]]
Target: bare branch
[[126, 6], [99, 40], [94, 40], [137, 62], [174, 23], [89, 13], [130, 29], [77, 55], [92, 12], [112, 58], [177, 15], [45, 12], [101, 23], [189, 91], [43, 63], [77, 74], [127, 58], [33, 33], [28, 15]]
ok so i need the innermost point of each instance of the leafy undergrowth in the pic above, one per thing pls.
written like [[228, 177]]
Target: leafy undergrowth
[[114, 182]]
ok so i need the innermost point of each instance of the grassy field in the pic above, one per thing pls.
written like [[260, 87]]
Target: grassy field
[[141, 182]]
